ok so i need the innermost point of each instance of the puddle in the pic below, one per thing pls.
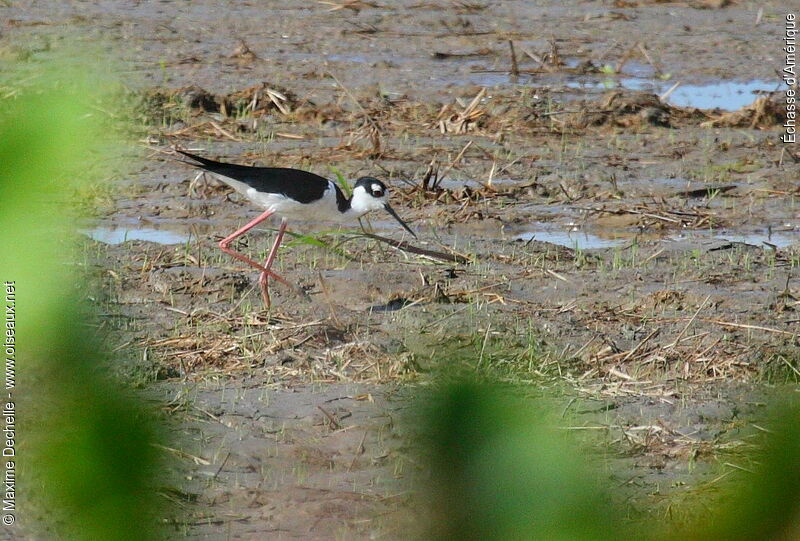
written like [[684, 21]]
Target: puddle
[[351, 58], [660, 185], [492, 79], [577, 240], [583, 240], [109, 235], [724, 95], [779, 239]]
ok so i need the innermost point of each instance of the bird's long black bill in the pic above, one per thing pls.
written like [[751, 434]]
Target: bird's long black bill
[[391, 211]]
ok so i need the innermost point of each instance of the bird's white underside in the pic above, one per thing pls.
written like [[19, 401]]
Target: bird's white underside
[[324, 209]]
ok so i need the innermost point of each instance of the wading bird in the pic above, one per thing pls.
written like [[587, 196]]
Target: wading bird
[[291, 193]]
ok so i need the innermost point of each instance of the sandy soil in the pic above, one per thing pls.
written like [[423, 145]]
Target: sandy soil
[[637, 258]]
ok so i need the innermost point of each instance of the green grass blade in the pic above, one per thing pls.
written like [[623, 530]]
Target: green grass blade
[[342, 182]]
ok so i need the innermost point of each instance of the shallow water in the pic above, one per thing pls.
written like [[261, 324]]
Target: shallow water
[[581, 239], [726, 95], [578, 240], [778, 239], [120, 235], [723, 95]]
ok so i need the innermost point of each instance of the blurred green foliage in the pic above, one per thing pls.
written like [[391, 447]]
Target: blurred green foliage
[[501, 470], [86, 462], [766, 505]]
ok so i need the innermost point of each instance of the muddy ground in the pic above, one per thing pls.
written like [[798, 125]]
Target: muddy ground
[[636, 257]]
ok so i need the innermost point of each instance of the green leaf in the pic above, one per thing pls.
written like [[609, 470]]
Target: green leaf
[[341, 181]]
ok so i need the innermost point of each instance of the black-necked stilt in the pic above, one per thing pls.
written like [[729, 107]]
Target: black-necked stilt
[[291, 193]]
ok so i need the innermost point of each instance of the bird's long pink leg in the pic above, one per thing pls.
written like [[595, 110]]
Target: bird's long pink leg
[[263, 280], [223, 245]]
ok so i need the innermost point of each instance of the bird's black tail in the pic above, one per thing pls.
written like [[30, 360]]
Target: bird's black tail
[[204, 161], [242, 173], [299, 185]]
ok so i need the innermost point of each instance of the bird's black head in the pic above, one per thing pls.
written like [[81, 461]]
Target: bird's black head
[[371, 194], [372, 186]]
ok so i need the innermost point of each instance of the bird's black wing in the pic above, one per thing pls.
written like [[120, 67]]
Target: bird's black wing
[[299, 185]]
